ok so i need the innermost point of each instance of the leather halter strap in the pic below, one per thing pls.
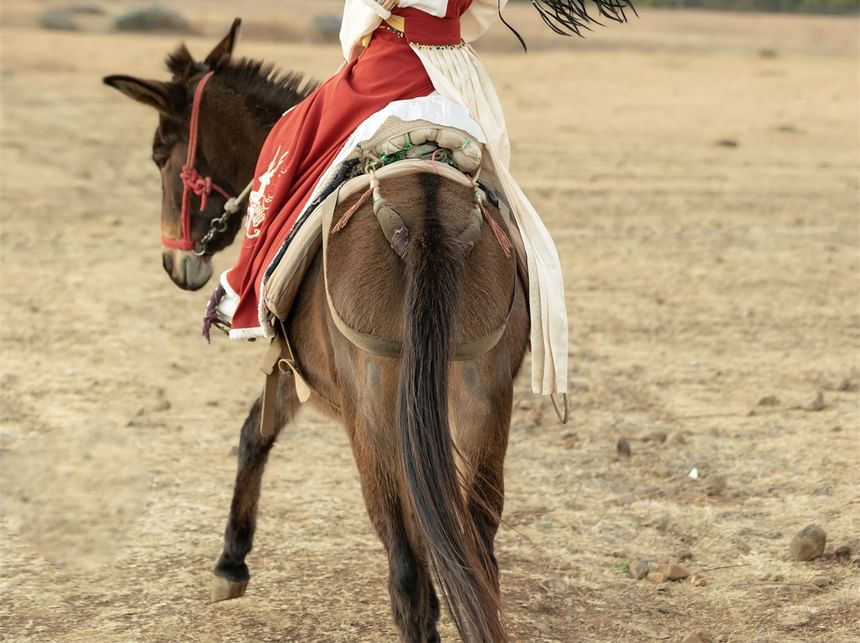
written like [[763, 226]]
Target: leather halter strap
[[192, 182]]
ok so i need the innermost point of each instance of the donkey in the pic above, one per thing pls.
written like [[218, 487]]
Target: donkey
[[428, 433]]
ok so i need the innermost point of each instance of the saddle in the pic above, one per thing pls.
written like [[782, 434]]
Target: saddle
[[398, 148]]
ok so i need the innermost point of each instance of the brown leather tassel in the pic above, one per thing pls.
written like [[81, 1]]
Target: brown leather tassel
[[344, 220], [500, 234]]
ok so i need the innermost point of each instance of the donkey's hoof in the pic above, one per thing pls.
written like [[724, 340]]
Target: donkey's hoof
[[225, 590]]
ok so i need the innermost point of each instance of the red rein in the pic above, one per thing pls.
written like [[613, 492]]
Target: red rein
[[192, 182]]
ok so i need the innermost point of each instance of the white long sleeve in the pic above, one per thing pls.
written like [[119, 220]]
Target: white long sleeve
[[359, 19], [478, 18], [381, 11]]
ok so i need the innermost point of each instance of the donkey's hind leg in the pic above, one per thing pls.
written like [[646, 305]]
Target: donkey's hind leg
[[483, 404], [414, 604], [231, 572]]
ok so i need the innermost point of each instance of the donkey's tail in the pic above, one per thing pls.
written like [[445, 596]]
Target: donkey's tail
[[455, 550]]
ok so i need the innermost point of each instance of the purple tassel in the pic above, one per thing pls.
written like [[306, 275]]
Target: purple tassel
[[211, 316]]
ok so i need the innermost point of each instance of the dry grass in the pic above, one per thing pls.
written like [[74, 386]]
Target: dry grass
[[701, 278]]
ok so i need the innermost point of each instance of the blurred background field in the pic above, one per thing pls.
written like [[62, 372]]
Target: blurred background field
[[700, 171]]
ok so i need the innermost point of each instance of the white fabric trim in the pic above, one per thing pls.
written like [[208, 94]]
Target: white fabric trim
[[458, 74], [226, 308]]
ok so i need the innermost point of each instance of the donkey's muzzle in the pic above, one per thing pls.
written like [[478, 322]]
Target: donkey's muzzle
[[186, 270]]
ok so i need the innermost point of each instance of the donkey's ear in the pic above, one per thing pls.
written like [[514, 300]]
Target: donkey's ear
[[149, 92], [224, 49]]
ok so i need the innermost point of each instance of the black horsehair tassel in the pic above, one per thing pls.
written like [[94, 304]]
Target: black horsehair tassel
[[568, 17], [514, 31]]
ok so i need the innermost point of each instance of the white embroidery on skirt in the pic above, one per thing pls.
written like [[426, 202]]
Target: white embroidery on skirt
[[259, 201]]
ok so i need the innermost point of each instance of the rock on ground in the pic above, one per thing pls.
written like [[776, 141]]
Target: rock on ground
[[808, 543], [672, 571], [843, 551], [153, 18], [58, 20], [639, 569], [816, 404]]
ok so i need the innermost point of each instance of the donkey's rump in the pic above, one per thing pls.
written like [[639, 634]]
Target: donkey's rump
[[377, 151]]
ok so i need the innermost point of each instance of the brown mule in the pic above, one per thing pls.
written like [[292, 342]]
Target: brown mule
[[428, 434]]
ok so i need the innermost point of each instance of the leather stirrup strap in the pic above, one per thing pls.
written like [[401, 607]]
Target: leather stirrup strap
[[269, 366], [279, 359]]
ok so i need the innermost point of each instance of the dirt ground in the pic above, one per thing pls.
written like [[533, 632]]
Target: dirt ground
[[700, 173]]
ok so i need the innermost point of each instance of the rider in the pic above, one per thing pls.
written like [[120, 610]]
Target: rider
[[395, 50]]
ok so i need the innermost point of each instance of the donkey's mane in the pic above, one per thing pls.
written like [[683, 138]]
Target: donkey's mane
[[265, 81], [247, 76]]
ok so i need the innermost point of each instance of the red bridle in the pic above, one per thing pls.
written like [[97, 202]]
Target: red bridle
[[191, 180]]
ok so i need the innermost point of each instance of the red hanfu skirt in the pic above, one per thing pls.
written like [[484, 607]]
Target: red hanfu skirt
[[304, 143]]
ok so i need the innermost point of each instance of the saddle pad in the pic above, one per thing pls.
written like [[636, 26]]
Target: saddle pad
[[397, 135], [279, 290]]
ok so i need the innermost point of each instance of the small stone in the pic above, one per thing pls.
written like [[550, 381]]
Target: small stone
[[698, 580], [808, 543], [727, 142], [655, 436], [847, 385], [678, 438], [843, 551], [657, 577], [662, 525], [817, 404], [152, 19], [57, 20], [715, 485], [639, 569], [778, 578], [699, 636], [163, 405], [672, 571], [822, 581], [769, 400], [622, 447]]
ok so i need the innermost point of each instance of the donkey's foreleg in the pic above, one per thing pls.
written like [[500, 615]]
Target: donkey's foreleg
[[231, 572]]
